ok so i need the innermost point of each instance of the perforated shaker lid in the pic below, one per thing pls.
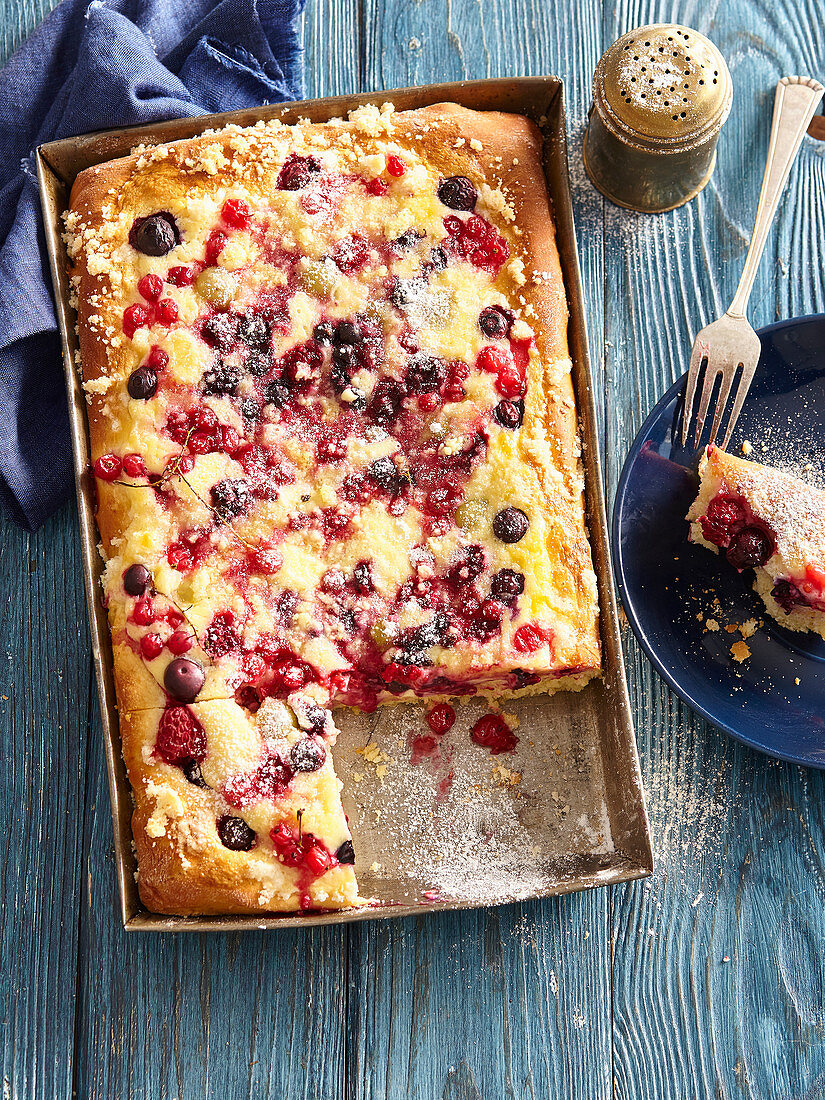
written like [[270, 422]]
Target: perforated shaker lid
[[664, 86]]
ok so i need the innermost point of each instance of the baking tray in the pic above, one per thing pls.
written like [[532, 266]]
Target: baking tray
[[565, 812]]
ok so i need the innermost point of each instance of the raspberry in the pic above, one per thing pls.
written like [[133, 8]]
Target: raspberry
[[150, 287], [220, 637], [236, 212], [108, 467], [180, 736], [267, 559]]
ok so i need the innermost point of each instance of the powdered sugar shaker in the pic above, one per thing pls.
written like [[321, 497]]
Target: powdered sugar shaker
[[661, 95]]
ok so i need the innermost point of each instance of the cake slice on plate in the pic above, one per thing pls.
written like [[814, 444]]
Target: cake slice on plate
[[767, 520]]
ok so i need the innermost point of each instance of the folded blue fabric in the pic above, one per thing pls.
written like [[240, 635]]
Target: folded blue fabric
[[91, 67]]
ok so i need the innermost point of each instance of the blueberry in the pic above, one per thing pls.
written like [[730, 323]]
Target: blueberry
[[348, 332], [339, 376], [230, 499], [510, 525], [324, 333], [424, 374], [307, 755], [386, 474], [347, 619], [220, 380], [346, 853], [184, 679], [235, 834], [277, 394], [136, 580], [220, 330], [142, 384], [192, 770], [312, 718], [155, 235], [458, 193], [254, 330], [359, 399], [507, 583], [749, 548], [250, 409], [494, 322], [510, 414], [405, 292]]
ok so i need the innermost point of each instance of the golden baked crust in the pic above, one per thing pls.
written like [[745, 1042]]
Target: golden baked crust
[[357, 474]]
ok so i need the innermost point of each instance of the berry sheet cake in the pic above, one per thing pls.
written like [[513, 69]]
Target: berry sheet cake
[[336, 459]]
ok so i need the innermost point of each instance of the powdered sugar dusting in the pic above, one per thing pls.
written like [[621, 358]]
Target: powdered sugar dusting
[[462, 825]]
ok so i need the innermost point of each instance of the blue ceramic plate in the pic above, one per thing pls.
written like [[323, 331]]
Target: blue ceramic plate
[[775, 700]]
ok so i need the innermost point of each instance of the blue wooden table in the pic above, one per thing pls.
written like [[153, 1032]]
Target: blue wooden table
[[705, 981]]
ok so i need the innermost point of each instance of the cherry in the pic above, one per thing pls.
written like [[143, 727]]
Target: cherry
[[297, 172], [184, 679], [749, 548], [307, 755], [441, 718], [108, 467], [180, 642], [166, 311], [458, 193], [723, 515], [529, 638], [136, 580], [142, 384], [787, 595], [346, 853], [493, 733], [155, 235]]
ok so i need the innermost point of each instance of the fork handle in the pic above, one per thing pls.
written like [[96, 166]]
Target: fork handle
[[796, 100]]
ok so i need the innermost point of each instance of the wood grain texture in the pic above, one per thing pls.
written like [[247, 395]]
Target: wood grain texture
[[707, 980]]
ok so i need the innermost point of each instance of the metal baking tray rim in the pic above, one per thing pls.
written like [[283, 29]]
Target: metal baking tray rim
[[542, 99]]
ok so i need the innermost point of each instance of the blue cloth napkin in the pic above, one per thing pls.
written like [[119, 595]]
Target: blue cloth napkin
[[90, 67]]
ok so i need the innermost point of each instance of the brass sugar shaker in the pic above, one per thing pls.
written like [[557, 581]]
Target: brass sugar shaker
[[660, 97]]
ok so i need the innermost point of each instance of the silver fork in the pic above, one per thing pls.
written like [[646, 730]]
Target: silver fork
[[730, 345]]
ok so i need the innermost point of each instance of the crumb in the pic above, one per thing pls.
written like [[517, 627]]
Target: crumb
[[712, 625], [797, 681], [740, 651], [731, 628], [749, 628], [747, 447]]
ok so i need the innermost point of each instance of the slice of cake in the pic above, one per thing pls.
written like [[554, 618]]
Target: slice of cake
[[765, 519]]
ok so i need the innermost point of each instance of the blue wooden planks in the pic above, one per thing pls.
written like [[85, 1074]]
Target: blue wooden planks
[[705, 981]]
